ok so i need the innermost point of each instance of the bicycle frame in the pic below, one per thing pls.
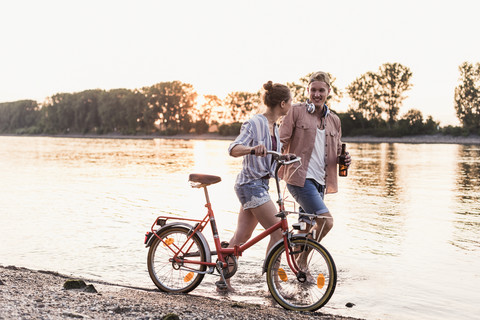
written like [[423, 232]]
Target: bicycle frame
[[237, 250], [300, 273]]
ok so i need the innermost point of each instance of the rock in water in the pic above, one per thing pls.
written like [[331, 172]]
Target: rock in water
[[171, 316], [90, 288], [74, 284]]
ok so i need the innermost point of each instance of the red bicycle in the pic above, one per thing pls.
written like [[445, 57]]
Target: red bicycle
[[179, 255]]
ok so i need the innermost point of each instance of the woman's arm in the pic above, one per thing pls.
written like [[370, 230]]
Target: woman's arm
[[240, 150]]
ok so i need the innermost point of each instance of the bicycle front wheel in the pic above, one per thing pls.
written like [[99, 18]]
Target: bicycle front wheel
[[301, 294], [171, 276]]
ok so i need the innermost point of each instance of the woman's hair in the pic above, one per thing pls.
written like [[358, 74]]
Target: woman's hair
[[275, 93]]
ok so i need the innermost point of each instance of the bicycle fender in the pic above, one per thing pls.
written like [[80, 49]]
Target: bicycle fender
[[188, 227], [275, 247]]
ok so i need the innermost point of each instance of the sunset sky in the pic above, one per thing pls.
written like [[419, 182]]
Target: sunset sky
[[219, 47]]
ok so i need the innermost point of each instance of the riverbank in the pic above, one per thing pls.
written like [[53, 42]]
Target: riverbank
[[29, 294], [438, 138]]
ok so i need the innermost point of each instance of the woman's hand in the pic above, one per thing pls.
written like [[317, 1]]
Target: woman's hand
[[259, 151]]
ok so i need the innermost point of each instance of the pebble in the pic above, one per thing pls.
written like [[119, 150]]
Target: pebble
[[34, 289]]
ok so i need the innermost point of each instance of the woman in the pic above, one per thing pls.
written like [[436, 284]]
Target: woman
[[260, 133]]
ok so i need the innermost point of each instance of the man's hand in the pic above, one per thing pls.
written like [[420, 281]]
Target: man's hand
[[288, 156], [348, 159]]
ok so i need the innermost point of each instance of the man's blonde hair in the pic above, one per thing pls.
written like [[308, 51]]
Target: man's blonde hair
[[320, 76]]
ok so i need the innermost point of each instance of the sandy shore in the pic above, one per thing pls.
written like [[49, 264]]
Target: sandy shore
[[29, 294]]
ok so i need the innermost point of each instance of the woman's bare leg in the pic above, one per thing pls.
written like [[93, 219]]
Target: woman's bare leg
[[247, 221], [265, 214], [246, 224]]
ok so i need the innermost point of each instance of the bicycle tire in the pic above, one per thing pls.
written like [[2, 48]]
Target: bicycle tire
[[173, 277], [287, 290]]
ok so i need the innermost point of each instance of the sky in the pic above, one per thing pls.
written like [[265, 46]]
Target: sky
[[48, 46]]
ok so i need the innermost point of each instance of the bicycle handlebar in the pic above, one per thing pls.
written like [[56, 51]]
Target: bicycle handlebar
[[280, 158]]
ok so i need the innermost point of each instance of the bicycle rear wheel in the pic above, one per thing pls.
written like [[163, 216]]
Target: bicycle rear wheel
[[320, 271], [171, 276]]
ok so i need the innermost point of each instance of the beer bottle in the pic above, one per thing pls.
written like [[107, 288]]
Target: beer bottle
[[342, 167]]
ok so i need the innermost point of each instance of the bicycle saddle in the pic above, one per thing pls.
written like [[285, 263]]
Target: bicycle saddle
[[202, 180]]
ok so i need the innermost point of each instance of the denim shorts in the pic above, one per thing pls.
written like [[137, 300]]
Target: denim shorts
[[253, 194], [309, 197]]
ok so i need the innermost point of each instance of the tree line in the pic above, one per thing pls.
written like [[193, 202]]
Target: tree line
[[169, 108]]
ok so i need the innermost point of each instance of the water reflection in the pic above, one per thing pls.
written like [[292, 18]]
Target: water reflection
[[388, 160], [375, 169], [467, 213], [373, 183], [169, 155]]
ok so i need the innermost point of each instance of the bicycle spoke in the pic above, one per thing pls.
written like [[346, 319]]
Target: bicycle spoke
[[176, 276], [289, 291]]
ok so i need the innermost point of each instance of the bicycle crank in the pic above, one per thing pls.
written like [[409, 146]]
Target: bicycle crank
[[231, 267]]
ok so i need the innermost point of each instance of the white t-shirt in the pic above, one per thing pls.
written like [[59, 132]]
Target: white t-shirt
[[316, 167]]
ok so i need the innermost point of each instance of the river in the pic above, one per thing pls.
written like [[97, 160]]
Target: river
[[406, 239]]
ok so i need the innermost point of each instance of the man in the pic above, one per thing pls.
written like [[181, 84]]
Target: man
[[313, 132]]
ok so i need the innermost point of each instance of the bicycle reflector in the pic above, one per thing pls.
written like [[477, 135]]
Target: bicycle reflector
[[188, 277], [147, 236], [282, 275], [168, 242], [320, 281]]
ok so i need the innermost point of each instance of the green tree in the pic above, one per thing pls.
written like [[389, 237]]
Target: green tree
[[375, 94], [393, 80], [58, 114], [208, 110], [412, 123], [241, 105], [110, 111], [120, 110], [133, 103], [362, 92], [169, 104], [467, 97], [207, 113], [85, 107], [18, 115]]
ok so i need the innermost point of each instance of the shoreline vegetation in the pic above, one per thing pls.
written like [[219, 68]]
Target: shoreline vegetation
[[174, 107], [30, 294], [419, 139]]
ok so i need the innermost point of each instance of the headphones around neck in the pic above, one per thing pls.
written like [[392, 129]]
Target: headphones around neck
[[311, 108]]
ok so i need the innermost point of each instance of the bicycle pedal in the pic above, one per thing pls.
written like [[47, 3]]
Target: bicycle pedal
[[224, 244], [221, 285]]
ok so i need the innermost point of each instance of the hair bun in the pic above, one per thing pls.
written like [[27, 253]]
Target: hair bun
[[275, 93], [268, 86]]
